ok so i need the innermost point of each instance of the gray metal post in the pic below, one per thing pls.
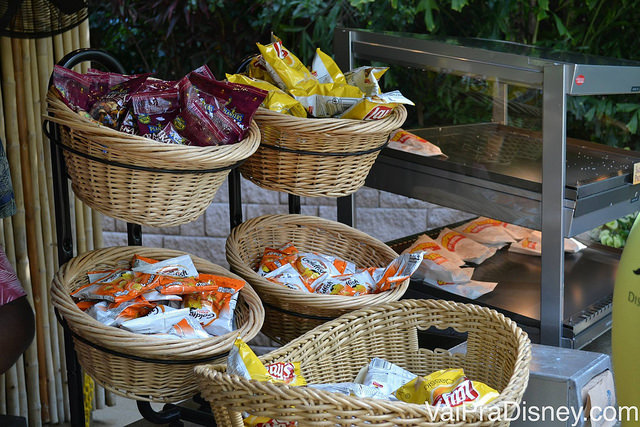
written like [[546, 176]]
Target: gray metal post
[[553, 185]]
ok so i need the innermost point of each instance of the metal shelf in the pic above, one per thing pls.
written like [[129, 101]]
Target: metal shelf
[[554, 197], [496, 171]]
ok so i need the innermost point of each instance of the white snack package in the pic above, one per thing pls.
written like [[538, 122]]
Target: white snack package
[[361, 282], [516, 231], [351, 389], [159, 320], [288, 276], [383, 375], [188, 328], [532, 245], [100, 312], [213, 324], [438, 266], [366, 79], [427, 244], [463, 247], [472, 289], [487, 231], [157, 296], [181, 266], [409, 142]]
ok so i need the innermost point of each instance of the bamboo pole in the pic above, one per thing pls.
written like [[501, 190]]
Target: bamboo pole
[[22, 388], [35, 252], [42, 69], [43, 228], [9, 397], [18, 220]]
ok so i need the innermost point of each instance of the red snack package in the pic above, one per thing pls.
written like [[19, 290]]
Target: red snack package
[[154, 110], [203, 71], [111, 109], [237, 101], [204, 125], [74, 88]]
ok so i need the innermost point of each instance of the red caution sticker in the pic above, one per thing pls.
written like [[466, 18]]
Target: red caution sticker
[[580, 80]]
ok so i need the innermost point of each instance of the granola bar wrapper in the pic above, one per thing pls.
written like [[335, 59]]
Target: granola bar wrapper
[[449, 388], [276, 100], [214, 309], [376, 107]]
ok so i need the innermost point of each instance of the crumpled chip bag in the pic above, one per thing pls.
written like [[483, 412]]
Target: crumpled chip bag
[[244, 363], [366, 78], [376, 107], [285, 68], [277, 100], [117, 286], [447, 387], [214, 309]]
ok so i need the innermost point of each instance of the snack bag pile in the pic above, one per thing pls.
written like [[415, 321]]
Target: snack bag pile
[[323, 91], [167, 298], [379, 379], [325, 274], [195, 110]]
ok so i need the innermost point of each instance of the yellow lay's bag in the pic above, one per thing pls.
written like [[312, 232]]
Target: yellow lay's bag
[[376, 107], [366, 78], [276, 100], [325, 69], [285, 68], [243, 362], [327, 99], [447, 387]]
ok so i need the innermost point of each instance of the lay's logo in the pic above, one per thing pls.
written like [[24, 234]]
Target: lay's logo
[[378, 112]]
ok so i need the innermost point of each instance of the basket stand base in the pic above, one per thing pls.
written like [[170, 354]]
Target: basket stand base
[[173, 415]]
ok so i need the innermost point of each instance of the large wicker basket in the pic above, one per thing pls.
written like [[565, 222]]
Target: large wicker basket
[[317, 157], [139, 180], [498, 354], [291, 313], [138, 366]]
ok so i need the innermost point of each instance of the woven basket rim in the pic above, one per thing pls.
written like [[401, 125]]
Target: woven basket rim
[[263, 286], [514, 388], [121, 340], [333, 125], [151, 150]]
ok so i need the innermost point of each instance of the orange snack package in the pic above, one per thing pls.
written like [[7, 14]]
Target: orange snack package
[[203, 283], [289, 277], [214, 309], [274, 258], [119, 286]]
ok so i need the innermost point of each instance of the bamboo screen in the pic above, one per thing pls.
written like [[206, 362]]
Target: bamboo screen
[[36, 386]]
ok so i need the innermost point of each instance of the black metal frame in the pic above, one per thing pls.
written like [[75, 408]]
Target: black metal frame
[[170, 414]]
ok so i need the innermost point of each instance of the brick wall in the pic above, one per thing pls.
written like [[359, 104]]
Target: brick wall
[[382, 215]]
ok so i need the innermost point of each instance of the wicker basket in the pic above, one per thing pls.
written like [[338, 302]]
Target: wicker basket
[[291, 313], [139, 180], [137, 366], [317, 157], [498, 354]]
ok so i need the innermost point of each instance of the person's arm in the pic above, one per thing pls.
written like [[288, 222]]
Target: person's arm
[[17, 329]]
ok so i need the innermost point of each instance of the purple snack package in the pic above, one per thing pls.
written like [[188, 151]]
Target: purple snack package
[[111, 109], [74, 88], [154, 110]]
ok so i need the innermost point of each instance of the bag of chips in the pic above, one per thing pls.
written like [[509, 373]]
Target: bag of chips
[[366, 78], [203, 283], [74, 88], [327, 99], [353, 284], [447, 387], [188, 328], [487, 231], [438, 267], [118, 286], [181, 266], [113, 314], [409, 142], [286, 70], [325, 69], [375, 107], [214, 309], [274, 258], [532, 245], [384, 375], [463, 247], [276, 100], [288, 276], [111, 109], [154, 110]]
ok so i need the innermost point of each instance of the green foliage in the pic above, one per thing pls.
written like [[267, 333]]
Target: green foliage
[[615, 233]]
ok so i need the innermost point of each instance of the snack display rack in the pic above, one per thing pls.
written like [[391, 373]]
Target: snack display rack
[[542, 180], [170, 413]]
